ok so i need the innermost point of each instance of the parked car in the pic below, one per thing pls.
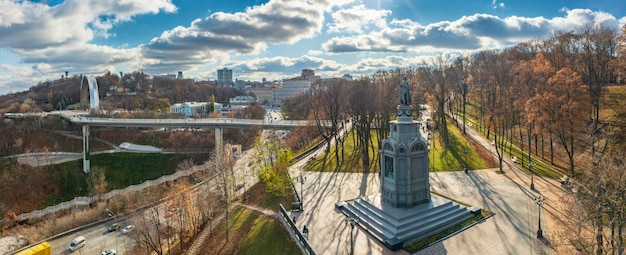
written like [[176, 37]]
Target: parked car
[[128, 229], [114, 227], [77, 243], [109, 252]]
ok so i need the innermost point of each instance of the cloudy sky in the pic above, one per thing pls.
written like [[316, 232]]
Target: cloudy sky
[[40, 40]]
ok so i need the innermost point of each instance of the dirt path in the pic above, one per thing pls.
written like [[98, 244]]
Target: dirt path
[[267, 212]]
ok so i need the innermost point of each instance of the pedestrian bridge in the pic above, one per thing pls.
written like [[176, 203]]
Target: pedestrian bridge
[[191, 123], [215, 123], [82, 118]]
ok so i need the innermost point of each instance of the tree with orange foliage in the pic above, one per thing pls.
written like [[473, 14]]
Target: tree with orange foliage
[[558, 109]]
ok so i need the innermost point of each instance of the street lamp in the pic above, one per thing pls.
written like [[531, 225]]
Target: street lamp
[[532, 178], [111, 214], [305, 232], [465, 150], [302, 179], [539, 201], [352, 222]]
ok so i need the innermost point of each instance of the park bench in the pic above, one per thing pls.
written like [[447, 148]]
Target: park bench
[[514, 159]]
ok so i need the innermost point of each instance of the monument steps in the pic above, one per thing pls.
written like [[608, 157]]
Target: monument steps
[[436, 226], [420, 223]]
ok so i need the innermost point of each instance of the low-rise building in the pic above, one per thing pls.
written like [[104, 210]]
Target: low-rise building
[[242, 100], [263, 94], [189, 109]]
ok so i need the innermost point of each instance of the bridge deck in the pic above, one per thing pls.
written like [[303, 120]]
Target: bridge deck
[[189, 122]]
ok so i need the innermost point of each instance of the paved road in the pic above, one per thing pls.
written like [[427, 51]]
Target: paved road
[[97, 239]]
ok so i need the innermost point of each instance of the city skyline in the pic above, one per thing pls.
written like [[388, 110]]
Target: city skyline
[[274, 39]]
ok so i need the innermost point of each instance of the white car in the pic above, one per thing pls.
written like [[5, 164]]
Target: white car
[[128, 229], [109, 252], [77, 243]]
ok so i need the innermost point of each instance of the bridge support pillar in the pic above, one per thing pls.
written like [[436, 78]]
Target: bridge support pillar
[[219, 143], [86, 164]]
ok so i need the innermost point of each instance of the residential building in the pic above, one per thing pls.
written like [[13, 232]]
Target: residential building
[[263, 94], [294, 86], [290, 88], [189, 109], [225, 76], [242, 100]]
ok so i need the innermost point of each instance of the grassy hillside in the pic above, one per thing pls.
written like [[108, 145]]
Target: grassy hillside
[[53, 184]]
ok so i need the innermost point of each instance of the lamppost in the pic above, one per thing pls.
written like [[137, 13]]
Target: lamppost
[[532, 178], [352, 222], [111, 214], [305, 232], [465, 150], [302, 179], [539, 201]]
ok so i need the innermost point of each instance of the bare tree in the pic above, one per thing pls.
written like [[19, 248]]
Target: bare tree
[[326, 100], [225, 183], [145, 233]]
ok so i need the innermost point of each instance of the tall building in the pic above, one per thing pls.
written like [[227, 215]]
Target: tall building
[[225, 76], [290, 88]]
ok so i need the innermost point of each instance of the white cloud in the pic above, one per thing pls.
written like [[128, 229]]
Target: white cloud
[[466, 33], [315, 52], [210, 39], [353, 20], [74, 22], [18, 70]]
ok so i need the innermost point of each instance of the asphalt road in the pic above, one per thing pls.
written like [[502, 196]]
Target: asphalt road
[[97, 239]]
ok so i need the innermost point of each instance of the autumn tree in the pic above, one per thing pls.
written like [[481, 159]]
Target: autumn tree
[[459, 81], [530, 78], [296, 107], [326, 100], [558, 109], [363, 112], [595, 213], [433, 78], [96, 181], [224, 182], [598, 45], [146, 222]]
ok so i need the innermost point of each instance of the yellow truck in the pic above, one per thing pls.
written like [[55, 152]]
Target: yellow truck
[[40, 249]]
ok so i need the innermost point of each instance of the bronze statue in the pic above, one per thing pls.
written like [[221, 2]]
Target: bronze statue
[[405, 94]]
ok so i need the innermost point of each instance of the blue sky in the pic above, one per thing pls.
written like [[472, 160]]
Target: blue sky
[[275, 39]]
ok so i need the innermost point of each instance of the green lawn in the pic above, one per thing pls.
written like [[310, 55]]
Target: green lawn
[[541, 167], [452, 158], [350, 163], [121, 170], [252, 232]]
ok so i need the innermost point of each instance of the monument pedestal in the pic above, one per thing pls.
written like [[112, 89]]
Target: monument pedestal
[[404, 211], [398, 227]]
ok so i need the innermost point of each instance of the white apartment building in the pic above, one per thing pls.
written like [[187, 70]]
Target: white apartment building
[[263, 94], [189, 109], [290, 88]]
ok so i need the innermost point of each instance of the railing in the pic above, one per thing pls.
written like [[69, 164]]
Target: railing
[[294, 232], [85, 201]]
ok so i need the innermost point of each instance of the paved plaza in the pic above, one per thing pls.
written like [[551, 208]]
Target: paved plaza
[[512, 230]]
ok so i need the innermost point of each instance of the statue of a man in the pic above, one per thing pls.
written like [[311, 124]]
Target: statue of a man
[[405, 94]]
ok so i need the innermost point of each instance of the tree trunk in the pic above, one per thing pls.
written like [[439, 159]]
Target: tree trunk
[[551, 149], [521, 141]]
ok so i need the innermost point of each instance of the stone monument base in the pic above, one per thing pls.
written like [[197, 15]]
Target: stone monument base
[[398, 227]]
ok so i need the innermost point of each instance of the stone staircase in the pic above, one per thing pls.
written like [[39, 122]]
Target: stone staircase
[[396, 227]]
